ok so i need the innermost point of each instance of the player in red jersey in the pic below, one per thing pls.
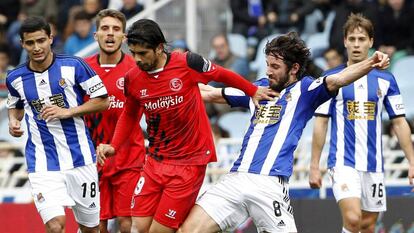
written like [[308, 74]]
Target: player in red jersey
[[119, 175], [165, 87]]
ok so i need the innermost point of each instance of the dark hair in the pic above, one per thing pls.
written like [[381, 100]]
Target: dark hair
[[291, 49], [4, 48], [358, 20], [146, 33], [331, 49], [33, 24], [110, 13], [82, 15]]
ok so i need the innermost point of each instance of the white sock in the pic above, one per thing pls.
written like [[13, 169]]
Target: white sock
[[344, 230]]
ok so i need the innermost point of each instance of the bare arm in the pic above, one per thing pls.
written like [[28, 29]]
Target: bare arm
[[318, 141], [93, 105], [403, 132], [356, 71], [15, 117], [211, 94]]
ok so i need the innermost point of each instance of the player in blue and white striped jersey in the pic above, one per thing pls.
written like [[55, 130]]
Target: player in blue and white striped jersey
[[355, 161], [48, 91], [257, 185]]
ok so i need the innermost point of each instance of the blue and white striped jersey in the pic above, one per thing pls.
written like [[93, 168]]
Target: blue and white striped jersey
[[275, 128], [356, 119], [57, 144]]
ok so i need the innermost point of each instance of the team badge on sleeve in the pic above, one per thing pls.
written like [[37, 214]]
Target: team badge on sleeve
[[316, 83]]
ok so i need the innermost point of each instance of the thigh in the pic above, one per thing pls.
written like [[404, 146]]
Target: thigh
[[373, 192], [223, 202], [83, 188], [179, 194], [50, 194], [268, 203], [123, 189], [346, 183], [146, 194], [106, 199]]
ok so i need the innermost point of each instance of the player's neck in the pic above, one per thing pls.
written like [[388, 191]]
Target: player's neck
[[113, 58], [162, 61], [351, 62], [41, 66]]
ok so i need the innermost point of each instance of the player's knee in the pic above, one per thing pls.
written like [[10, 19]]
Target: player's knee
[[125, 226], [54, 226], [352, 220], [85, 229], [368, 226]]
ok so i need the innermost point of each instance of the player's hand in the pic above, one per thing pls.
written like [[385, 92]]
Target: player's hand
[[381, 60], [315, 178], [411, 176], [264, 93], [52, 112], [14, 128], [103, 151]]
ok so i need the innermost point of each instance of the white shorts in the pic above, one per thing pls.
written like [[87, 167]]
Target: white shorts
[[367, 186], [77, 188], [238, 196]]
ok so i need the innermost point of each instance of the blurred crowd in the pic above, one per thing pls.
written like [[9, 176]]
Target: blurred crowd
[[253, 21]]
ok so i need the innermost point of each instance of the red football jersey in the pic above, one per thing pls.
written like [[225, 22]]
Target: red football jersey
[[178, 127], [102, 125]]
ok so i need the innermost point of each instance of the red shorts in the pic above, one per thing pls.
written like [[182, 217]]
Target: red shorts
[[167, 192], [116, 194]]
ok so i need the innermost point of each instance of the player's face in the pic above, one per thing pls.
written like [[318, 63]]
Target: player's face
[[146, 58], [110, 35], [357, 44], [38, 45], [277, 71]]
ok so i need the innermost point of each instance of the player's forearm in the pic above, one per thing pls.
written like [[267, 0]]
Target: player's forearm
[[15, 114], [403, 133], [211, 94], [123, 129], [349, 74], [232, 79], [318, 140], [91, 106]]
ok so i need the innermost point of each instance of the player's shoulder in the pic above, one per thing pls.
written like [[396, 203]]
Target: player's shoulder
[[263, 82], [334, 70], [384, 74], [69, 60], [92, 59], [18, 71]]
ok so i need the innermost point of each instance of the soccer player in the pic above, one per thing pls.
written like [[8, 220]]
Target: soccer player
[[164, 86], [48, 91], [119, 175], [355, 159], [257, 185]]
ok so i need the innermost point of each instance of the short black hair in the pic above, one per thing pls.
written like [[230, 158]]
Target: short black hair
[[147, 33], [4, 48], [33, 24], [83, 15], [291, 49]]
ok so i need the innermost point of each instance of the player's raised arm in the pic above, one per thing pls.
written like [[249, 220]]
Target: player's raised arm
[[355, 71]]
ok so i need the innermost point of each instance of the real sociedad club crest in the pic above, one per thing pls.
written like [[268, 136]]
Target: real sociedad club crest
[[176, 84], [62, 83], [120, 83]]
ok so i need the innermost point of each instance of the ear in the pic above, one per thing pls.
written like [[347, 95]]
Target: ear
[[124, 38], [295, 69], [371, 42], [95, 36]]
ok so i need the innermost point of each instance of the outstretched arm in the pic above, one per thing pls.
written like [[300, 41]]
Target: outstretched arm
[[403, 132], [211, 94], [356, 71]]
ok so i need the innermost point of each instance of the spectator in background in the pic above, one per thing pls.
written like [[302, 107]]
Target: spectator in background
[[82, 36], [44, 8], [63, 11], [9, 9], [225, 58], [333, 58], [131, 8], [342, 10], [91, 7], [287, 15], [248, 18], [179, 45], [4, 67], [395, 30]]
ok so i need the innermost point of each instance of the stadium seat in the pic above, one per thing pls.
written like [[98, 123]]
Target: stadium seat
[[235, 123], [317, 43], [259, 63], [402, 71]]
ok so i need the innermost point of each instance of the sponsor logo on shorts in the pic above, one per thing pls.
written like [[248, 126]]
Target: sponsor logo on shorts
[[92, 206], [139, 186], [281, 224], [379, 203], [40, 198], [171, 213]]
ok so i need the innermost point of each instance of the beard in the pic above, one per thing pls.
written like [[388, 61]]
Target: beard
[[279, 86], [147, 66]]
